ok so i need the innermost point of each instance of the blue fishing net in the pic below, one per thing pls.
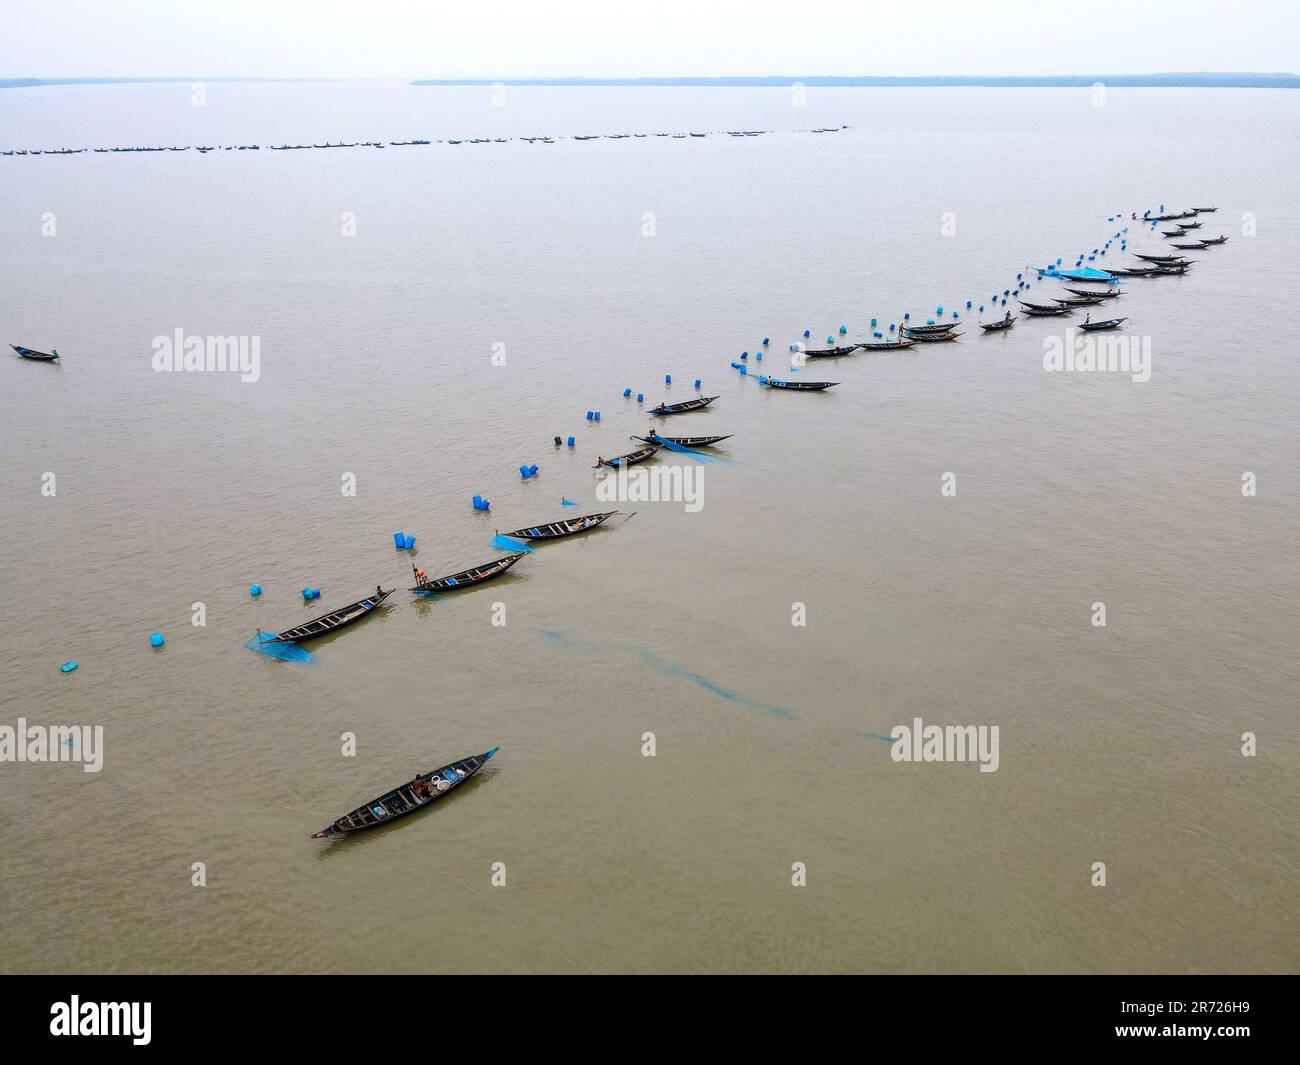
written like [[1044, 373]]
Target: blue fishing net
[[682, 449], [509, 543], [286, 652]]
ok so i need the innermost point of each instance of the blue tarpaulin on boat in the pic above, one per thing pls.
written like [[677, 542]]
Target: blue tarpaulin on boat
[[509, 543]]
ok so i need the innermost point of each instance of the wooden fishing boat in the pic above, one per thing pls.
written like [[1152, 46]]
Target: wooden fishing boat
[[800, 386], [1109, 294], [683, 441], [36, 356], [1089, 275], [555, 530], [1189, 247], [1110, 323], [1190, 225], [1046, 312], [1205, 210], [1038, 306], [1214, 240], [887, 345], [683, 408], [465, 578], [424, 789], [993, 327], [935, 338], [1175, 233], [828, 353], [1159, 258], [631, 458], [1136, 271], [1080, 301], [335, 619], [921, 330], [1173, 269]]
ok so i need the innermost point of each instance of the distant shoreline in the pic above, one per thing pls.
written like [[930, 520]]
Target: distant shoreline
[[1137, 81]]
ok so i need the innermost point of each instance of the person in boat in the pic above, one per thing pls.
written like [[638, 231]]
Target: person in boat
[[379, 590], [600, 461], [421, 577], [1087, 318], [1007, 317]]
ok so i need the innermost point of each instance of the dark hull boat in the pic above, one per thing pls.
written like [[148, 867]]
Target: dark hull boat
[[993, 327], [934, 338], [1159, 258], [888, 345], [332, 621], [1205, 210], [422, 791], [465, 578], [35, 356], [557, 529], [684, 441], [922, 330], [1081, 301], [1112, 323], [1046, 312], [800, 386], [1136, 271], [631, 458], [1190, 225], [1037, 306], [683, 408], [1214, 240], [830, 353], [1109, 294], [1189, 247]]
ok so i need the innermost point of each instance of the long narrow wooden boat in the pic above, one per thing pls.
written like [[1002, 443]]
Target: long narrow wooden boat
[[1188, 247], [36, 356], [1190, 225], [830, 353], [682, 408], [1088, 275], [421, 791], [1110, 323], [921, 330], [1205, 210], [683, 441], [1172, 270], [1038, 306], [1214, 240], [1109, 294], [800, 386], [557, 529], [1158, 258], [1046, 312], [1175, 233], [334, 620], [466, 578], [887, 345], [1135, 271], [1080, 301], [935, 338], [993, 327], [631, 458]]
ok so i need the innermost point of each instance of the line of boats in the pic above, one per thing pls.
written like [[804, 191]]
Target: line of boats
[[203, 149]]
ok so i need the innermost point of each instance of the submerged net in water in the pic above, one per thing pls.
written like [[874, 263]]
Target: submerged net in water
[[286, 652]]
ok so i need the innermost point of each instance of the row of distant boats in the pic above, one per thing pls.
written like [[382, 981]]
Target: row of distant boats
[[205, 148]]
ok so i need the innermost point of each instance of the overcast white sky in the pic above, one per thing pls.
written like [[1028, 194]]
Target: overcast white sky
[[629, 38]]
